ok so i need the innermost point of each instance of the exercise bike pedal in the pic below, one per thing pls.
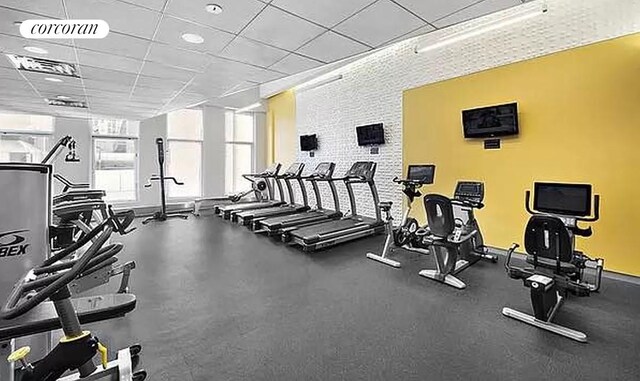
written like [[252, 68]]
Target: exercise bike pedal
[[135, 350], [140, 375]]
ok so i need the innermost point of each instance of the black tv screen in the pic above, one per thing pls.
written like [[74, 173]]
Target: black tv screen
[[563, 199], [308, 142], [372, 134], [493, 121]]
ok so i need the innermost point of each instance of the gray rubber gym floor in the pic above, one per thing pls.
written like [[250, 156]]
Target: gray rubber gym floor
[[217, 302]]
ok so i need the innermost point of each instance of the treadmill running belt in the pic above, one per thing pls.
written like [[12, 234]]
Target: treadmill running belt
[[324, 228]]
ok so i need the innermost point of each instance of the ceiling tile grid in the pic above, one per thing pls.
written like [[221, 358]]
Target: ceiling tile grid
[[331, 47], [281, 29], [327, 13], [380, 22], [145, 66]]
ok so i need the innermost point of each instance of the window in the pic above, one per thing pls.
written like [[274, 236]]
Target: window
[[115, 163], [239, 138], [184, 159], [24, 138]]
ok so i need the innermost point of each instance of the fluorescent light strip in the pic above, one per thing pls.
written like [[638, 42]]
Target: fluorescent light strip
[[237, 89], [314, 85], [248, 108], [481, 30], [197, 104]]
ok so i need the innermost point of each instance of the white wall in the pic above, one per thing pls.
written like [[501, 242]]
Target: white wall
[[261, 143], [371, 89], [213, 151]]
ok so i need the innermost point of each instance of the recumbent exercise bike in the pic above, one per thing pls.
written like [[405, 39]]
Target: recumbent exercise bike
[[558, 269], [453, 235]]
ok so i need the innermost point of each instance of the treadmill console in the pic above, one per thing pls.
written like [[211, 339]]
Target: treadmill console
[[469, 190], [421, 174], [272, 170], [294, 170], [324, 170], [365, 170]]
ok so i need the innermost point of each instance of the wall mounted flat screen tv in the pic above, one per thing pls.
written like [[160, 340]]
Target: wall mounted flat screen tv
[[489, 122], [308, 142], [369, 135]]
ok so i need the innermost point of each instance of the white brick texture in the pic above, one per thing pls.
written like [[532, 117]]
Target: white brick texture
[[371, 89]]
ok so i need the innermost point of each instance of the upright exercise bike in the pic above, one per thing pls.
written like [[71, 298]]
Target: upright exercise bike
[[555, 268], [454, 237], [403, 236], [162, 214]]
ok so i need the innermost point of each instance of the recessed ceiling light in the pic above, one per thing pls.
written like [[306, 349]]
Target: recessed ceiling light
[[51, 79], [63, 97], [36, 50], [213, 8], [193, 38]]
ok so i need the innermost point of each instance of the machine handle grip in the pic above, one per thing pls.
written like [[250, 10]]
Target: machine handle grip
[[512, 249], [527, 201], [121, 221], [17, 304], [596, 210], [469, 203], [174, 180]]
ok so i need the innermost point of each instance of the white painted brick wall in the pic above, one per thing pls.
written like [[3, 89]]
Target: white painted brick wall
[[371, 89]]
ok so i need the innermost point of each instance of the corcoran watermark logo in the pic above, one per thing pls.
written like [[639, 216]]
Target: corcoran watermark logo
[[13, 244], [64, 29]]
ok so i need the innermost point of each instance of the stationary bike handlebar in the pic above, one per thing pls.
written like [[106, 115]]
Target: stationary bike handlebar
[[415, 183], [468, 203]]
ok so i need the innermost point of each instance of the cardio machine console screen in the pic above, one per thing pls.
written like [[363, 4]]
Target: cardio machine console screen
[[422, 174], [470, 190], [324, 169], [362, 169], [563, 199]]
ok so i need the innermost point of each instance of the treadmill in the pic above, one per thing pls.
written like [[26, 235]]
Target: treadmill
[[277, 225], [246, 217], [225, 210], [331, 233]]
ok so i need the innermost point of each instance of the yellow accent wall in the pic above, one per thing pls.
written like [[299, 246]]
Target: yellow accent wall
[[282, 133], [579, 122]]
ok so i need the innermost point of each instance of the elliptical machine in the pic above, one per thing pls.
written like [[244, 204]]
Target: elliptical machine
[[454, 236], [403, 236], [162, 214], [558, 268]]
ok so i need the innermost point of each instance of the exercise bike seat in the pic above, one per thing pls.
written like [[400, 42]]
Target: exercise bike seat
[[44, 318], [565, 267]]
